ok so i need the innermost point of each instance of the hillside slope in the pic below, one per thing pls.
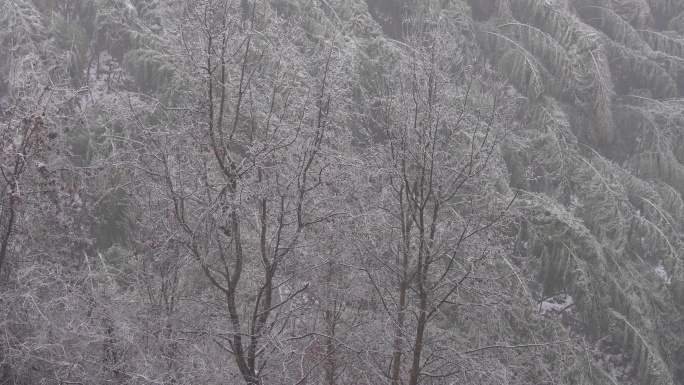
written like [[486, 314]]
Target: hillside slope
[[342, 191]]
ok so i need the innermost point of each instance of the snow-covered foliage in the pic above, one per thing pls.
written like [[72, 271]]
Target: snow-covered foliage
[[342, 191]]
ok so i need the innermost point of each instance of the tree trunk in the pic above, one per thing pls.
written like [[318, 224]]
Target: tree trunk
[[418, 343]]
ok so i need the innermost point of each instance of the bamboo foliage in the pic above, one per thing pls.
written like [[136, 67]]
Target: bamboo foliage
[[650, 366], [601, 16], [665, 8], [590, 196], [676, 23], [21, 34], [569, 50], [22, 25], [606, 212], [645, 73], [667, 42], [570, 259], [152, 69], [527, 155], [636, 12]]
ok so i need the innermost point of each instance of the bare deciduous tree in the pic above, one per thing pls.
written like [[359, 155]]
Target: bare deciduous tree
[[245, 172], [444, 120]]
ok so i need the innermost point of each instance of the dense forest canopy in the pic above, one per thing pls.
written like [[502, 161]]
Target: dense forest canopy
[[342, 192]]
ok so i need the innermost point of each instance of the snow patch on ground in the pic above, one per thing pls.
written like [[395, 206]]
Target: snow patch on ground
[[662, 273], [511, 91], [561, 307], [610, 356], [103, 72], [614, 360], [556, 304]]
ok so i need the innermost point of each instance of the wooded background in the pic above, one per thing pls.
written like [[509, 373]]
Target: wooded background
[[342, 192]]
